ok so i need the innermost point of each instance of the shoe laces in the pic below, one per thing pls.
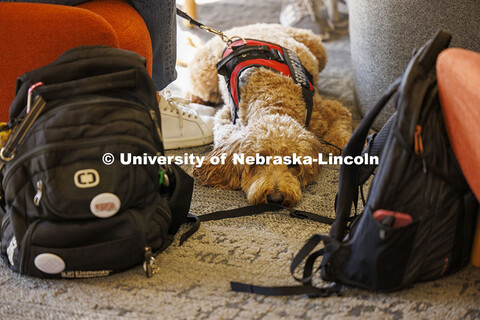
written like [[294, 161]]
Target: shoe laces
[[302, 8], [179, 106]]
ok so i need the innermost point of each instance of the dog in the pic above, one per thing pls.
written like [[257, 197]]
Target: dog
[[271, 119]]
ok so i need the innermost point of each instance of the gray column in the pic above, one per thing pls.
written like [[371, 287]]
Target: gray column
[[384, 33]]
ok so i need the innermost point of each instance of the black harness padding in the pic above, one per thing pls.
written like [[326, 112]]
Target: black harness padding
[[244, 54]]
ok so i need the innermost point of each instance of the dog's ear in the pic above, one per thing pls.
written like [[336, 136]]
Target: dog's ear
[[203, 73], [312, 41], [223, 175]]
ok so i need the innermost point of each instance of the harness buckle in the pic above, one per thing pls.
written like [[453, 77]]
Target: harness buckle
[[277, 55]]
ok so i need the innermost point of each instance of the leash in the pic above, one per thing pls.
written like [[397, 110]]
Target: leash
[[330, 144], [228, 40]]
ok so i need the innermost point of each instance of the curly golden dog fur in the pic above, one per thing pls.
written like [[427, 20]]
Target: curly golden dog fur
[[271, 122]]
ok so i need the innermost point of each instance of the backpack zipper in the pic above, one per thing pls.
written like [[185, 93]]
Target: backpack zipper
[[38, 195], [153, 116], [73, 144], [7, 153], [129, 104], [418, 144]]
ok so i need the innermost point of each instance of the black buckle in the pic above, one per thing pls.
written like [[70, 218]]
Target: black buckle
[[277, 55]]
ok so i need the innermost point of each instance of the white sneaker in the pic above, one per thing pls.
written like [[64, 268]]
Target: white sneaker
[[320, 16], [305, 14], [202, 109], [183, 127]]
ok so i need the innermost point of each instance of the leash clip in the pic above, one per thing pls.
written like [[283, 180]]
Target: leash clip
[[222, 35], [228, 40]]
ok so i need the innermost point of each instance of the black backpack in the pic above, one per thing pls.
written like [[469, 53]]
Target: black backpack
[[418, 221], [66, 213]]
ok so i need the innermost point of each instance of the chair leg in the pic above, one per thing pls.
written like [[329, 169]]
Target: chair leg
[[333, 8], [190, 8]]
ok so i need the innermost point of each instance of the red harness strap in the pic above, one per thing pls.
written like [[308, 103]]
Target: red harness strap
[[241, 55], [277, 66]]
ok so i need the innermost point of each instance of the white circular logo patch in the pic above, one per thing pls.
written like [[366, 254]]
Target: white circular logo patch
[[86, 178], [105, 205], [49, 263]]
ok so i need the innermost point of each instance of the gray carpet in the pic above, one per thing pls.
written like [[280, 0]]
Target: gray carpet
[[194, 283]]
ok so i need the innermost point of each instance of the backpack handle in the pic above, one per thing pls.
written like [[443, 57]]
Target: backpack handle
[[123, 79], [126, 79]]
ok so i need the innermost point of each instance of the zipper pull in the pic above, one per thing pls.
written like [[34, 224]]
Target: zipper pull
[[153, 115], [38, 195], [163, 179], [149, 263], [418, 144], [418, 140]]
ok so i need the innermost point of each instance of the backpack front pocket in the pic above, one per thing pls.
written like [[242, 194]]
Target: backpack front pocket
[[61, 186], [82, 249]]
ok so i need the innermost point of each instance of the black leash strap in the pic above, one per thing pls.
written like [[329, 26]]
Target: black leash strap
[[311, 291], [249, 211], [330, 144], [192, 21], [240, 212], [300, 214], [308, 98], [192, 230], [261, 208]]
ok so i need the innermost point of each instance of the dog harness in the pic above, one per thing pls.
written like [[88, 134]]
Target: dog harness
[[248, 53]]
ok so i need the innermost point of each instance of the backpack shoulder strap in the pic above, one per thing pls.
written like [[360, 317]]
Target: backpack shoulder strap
[[375, 146], [308, 255], [349, 175]]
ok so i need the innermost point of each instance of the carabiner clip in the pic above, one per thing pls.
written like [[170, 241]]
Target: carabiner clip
[[29, 96]]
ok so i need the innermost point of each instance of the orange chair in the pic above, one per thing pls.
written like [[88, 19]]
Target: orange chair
[[33, 35], [458, 75]]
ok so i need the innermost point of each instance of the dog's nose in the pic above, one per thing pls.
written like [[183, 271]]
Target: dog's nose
[[275, 197]]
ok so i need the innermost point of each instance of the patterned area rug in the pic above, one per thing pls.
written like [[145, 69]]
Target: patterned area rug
[[194, 283]]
